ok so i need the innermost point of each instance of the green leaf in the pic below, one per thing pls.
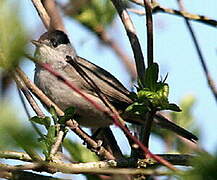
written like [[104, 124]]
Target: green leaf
[[48, 141], [69, 113], [52, 111], [137, 108], [174, 107], [151, 76], [46, 121]]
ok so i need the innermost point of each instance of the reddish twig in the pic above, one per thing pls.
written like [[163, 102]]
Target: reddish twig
[[72, 124], [115, 117]]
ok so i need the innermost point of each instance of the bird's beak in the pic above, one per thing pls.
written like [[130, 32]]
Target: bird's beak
[[36, 43]]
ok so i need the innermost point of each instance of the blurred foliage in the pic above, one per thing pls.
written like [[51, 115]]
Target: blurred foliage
[[12, 132], [185, 119], [13, 37], [205, 168], [79, 152], [93, 14]]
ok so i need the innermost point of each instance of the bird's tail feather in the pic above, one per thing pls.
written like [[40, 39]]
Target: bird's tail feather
[[163, 122]]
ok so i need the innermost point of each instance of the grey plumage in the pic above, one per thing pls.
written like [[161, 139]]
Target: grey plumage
[[53, 48]]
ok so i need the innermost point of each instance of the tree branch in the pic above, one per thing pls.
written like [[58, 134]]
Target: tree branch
[[209, 79], [42, 13], [134, 41], [158, 8], [72, 124]]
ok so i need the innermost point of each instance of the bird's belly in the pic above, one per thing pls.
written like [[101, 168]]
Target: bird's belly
[[86, 114]]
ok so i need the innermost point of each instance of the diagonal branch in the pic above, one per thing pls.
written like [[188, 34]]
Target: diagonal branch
[[158, 8], [149, 24], [115, 116], [209, 79], [72, 124], [42, 13], [134, 41]]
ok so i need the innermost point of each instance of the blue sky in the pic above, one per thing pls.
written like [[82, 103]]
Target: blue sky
[[173, 50]]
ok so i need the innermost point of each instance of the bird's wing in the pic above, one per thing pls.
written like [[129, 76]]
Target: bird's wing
[[106, 82], [118, 95]]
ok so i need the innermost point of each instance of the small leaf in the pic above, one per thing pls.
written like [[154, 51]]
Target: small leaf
[[69, 113], [162, 90], [54, 114], [151, 76], [46, 121], [49, 141], [174, 107]]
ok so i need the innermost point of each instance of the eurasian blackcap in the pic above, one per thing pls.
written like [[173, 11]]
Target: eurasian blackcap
[[52, 48]]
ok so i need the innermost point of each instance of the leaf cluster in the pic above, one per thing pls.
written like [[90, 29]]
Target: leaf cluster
[[47, 140], [152, 97]]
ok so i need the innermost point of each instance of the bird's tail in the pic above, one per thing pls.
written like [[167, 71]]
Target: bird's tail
[[163, 122]]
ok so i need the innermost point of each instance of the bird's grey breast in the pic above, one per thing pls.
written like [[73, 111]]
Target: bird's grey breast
[[65, 97]]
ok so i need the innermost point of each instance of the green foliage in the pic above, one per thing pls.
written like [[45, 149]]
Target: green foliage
[[185, 118], [154, 96], [93, 14], [46, 121], [205, 167], [48, 141], [78, 152], [13, 36], [53, 114], [68, 114], [13, 134]]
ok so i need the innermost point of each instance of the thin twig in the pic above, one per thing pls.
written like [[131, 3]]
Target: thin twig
[[28, 96], [56, 21], [146, 129], [15, 155], [72, 124], [136, 11], [100, 150], [37, 92], [57, 143], [87, 168], [42, 13], [149, 25], [158, 8], [112, 113], [134, 41], [209, 79], [28, 114], [39, 113], [176, 159]]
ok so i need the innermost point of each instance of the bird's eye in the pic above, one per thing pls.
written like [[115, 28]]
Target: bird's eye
[[54, 42]]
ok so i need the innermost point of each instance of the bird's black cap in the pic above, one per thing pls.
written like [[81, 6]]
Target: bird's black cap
[[56, 37]]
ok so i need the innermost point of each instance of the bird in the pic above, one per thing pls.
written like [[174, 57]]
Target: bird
[[53, 48]]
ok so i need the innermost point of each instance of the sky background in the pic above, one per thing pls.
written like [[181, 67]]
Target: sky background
[[173, 50]]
